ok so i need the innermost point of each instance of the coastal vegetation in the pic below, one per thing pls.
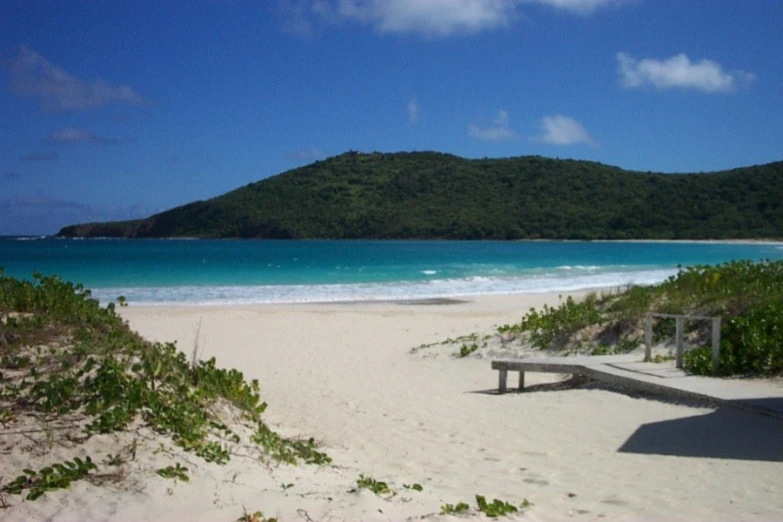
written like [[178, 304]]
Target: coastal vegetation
[[429, 195], [747, 296], [376, 486], [496, 508], [71, 369]]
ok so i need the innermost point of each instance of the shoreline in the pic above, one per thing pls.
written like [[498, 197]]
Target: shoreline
[[770, 242], [753, 241]]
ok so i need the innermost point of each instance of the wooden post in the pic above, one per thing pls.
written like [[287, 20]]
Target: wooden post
[[648, 340], [715, 344], [521, 380], [679, 323], [502, 374]]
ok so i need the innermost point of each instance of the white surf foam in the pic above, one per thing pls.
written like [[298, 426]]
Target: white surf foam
[[478, 285]]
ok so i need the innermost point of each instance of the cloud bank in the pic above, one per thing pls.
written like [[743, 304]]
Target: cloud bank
[[33, 76], [678, 72]]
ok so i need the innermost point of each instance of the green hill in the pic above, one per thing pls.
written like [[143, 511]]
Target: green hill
[[431, 195]]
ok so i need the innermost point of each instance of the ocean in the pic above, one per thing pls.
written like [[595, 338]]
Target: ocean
[[218, 272]]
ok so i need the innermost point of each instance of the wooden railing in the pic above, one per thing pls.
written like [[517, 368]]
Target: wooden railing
[[679, 321]]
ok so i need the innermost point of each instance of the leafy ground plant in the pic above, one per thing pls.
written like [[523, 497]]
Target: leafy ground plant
[[61, 353], [466, 350], [177, 472], [452, 509], [376, 486], [496, 508], [50, 478]]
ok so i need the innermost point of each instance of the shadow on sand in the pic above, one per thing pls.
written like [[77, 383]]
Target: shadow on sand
[[726, 433], [574, 381]]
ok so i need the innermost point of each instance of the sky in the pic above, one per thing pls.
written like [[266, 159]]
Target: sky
[[115, 109]]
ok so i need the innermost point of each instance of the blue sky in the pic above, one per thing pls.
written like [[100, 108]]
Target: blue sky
[[119, 109]]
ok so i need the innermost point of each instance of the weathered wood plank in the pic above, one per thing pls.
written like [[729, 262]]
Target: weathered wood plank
[[503, 367]]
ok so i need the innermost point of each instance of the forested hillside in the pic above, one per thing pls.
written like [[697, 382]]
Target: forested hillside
[[432, 195]]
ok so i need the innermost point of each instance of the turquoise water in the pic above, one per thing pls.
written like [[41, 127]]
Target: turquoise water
[[234, 272]]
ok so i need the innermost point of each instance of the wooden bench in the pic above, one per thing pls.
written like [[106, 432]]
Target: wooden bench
[[503, 367]]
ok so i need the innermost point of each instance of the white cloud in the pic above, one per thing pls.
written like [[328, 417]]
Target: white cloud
[[34, 76], [295, 15], [498, 131], [563, 130], [678, 72], [436, 18], [429, 18], [413, 111], [578, 6], [73, 135]]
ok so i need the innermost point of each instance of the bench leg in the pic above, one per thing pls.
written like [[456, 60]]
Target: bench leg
[[521, 381], [502, 381]]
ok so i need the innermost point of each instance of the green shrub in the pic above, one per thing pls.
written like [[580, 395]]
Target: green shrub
[[698, 361], [553, 326], [751, 343]]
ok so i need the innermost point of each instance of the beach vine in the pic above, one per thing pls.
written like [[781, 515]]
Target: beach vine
[[62, 354], [496, 508]]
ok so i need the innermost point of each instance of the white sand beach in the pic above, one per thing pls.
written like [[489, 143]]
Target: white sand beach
[[344, 374]]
